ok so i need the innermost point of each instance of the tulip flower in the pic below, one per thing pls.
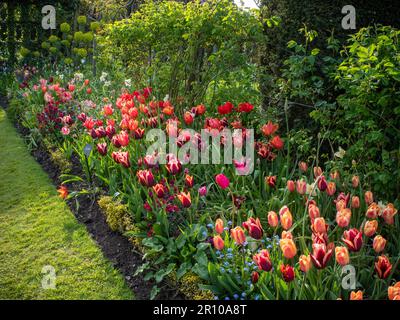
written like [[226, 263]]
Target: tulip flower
[[317, 172], [342, 256], [102, 148], [322, 184], [121, 158], [355, 180], [394, 291], [159, 190], [301, 186], [188, 118], [331, 189], [222, 181], [108, 110], [184, 198], [238, 235], [253, 226], [369, 197], [287, 272], [321, 255], [303, 166], [343, 217], [356, 295], [276, 143], [379, 244], [355, 202], [203, 191], [146, 178], [269, 128], [218, 242], [271, 181], [286, 220], [288, 248], [383, 267], [305, 263], [313, 212], [370, 228], [262, 260], [290, 185], [189, 181], [286, 235], [254, 276], [219, 226], [388, 213], [319, 225], [373, 211], [273, 219], [353, 239], [63, 192], [174, 166], [335, 175]]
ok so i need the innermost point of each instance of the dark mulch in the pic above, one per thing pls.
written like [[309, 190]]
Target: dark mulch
[[114, 245]]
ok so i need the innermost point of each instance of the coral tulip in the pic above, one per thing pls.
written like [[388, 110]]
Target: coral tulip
[[276, 143], [331, 189], [219, 226], [313, 212], [290, 185], [353, 239], [379, 244], [383, 267], [238, 235], [394, 291], [373, 211], [369, 197], [253, 226], [319, 225], [370, 228], [273, 219], [218, 242], [269, 128], [355, 180], [356, 295], [288, 248], [355, 202], [262, 260], [184, 198], [388, 213], [342, 256], [317, 172], [303, 166], [286, 220], [301, 186], [343, 217], [305, 263]]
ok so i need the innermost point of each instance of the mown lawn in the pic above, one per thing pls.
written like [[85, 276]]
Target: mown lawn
[[37, 229]]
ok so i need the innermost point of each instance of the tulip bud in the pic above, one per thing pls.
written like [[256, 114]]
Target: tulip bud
[[319, 225], [313, 212], [373, 211], [287, 272], [335, 175], [342, 256], [331, 189], [305, 263], [301, 186], [369, 197], [370, 228], [273, 219], [286, 235], [343, 217], [218, 242], [388, 213], [253, 226], [288, 248], [355, 202], [317, 171], [291, 186], [262, 260], [185, 199], [219, 226], [238, 235], [356, 295], [355, 180], [383, 267], [303, 166], [254, 276], [379, 244], [322, 184]]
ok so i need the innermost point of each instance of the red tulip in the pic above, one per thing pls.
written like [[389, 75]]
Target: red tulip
[[269, 128], [245, 107], [146, 178], [254, 276], [188, 118], [102, 148], [238, 235], [174, 166], [321, 254], [189, 181], [63, 192], [263, 260], [383, 267], [287, 272], [322, 184], [226, 108], [353, 239], [121, 158], [290, 185], [108, 110], [276, 143], [253, 226], [184, 198], [271, 181], [222, 181], [159, 190]]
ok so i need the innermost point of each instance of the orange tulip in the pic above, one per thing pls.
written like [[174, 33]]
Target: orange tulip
[[341, 204], [219, 226], [383, 267], [369, 197], [286, 220], [394, 291], [313, 212], [343, 217], [288, 248], [356, 295], [335, 175], [373, 211], [319, 225], [238, 235], [388, 213], [305, 263], [218, 242], [63, 192], [370, 228], [273, 219], [355, 180], [379, 244], [286, 235], [342, 255], [355, 202], [269, 128], [331, 189]]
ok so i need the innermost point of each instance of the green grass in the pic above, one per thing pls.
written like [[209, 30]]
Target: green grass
[[38, 229]]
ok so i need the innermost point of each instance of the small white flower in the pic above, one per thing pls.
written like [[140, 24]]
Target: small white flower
[[128, 82], [107, 83]]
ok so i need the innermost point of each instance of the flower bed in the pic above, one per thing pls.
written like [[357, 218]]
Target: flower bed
[[277, 227]]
